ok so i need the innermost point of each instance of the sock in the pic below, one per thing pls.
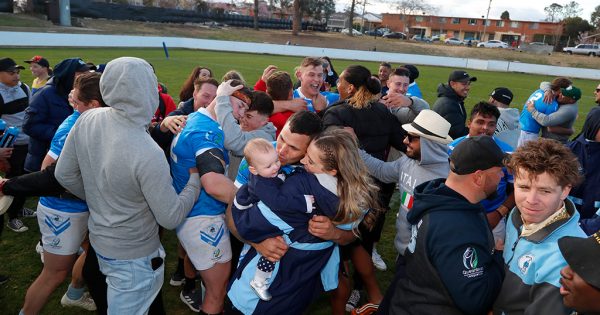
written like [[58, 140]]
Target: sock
[[74, 293], [189, 284], [179, 269]]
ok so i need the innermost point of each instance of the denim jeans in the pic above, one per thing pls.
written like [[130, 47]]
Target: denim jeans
[[133, 283]]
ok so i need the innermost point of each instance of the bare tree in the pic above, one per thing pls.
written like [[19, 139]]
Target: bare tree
[[415, 7], [553, 12], [351, 18], [256, 14], [571, 9], [297, 19]]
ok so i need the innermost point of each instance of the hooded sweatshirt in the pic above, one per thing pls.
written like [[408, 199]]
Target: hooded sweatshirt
[[409, 173], [507, 128], [110, 160], [451, 266], [452, 107], [47, 110]]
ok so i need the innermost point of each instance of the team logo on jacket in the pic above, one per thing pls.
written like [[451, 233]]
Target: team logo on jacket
[[525, 262], [471, 263]]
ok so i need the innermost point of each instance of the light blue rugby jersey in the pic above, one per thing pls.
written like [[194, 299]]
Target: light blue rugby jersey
[[331, 98], [56, 146], [200, 134], [526, 121]]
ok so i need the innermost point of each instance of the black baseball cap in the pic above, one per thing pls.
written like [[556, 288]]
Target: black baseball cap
[[502, 95], [39, 60], [476, 153], [582, 256], [461, 76], [7, 64]]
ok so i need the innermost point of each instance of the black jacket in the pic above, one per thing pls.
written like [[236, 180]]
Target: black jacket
[[375, 127], [451, 266], [452, 107]]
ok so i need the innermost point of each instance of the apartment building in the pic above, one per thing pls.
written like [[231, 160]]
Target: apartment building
[[480, 29]]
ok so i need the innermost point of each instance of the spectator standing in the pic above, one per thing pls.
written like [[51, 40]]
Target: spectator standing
[[586, 196], [14, 99], [451, 266], [403, 106], [413, 87], [187, 89], [129, 201], [47, 110], [383, 74], [580, 279], [40, 68], [451, 101], [544, 171], [507, 127]]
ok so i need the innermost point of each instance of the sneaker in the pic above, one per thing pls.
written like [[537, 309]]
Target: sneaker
[[86, 302], [40, 250], [177, 279], [378, 261], [17, 225], [261, 289], [353, 300], [193, 299], [3, 279], [366, 309], [27, 213]]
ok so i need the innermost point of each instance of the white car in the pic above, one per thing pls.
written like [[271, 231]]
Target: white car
[[354, 32], [453, 41], [493, 44]]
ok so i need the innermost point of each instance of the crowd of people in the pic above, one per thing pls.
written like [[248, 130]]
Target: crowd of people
[[278, 193]]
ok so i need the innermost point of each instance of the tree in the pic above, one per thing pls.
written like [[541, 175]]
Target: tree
[[415, 7], [574, 26], [297, 19], [571, 9], [505, 15], [595, 17], [256, 14], [351, 18], [553, 12]]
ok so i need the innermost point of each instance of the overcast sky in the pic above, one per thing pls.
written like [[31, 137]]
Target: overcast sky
[[532, 10]]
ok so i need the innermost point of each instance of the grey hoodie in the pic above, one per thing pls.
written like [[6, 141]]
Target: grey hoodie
[[507, 128], [409, 173], [235, 137], [112, 162]]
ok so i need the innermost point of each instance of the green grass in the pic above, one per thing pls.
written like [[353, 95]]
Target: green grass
[[17, 255]]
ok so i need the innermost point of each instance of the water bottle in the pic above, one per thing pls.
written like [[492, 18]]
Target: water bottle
[[8, 139]]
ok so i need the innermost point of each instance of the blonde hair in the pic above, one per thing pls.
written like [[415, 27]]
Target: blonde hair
[[356, 189], [233, 75], [254, 146]]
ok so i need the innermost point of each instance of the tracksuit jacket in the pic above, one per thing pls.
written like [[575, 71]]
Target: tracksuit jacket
[[452, 107], [451, 265], [533, 264]]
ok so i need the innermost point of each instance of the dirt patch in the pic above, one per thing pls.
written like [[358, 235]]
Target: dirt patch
[[20, 22]]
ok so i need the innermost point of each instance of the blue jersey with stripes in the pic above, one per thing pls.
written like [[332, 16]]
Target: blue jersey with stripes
[[526, 121], [329, 96], [200, 134], [56, 146], [491, 205]]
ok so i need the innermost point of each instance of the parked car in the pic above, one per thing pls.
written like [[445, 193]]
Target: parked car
[[354, 32], [470, 42], [453, 41], [584, 49], [398, 35], [377, 32], [435, 38], [420, 38], [493, 44]]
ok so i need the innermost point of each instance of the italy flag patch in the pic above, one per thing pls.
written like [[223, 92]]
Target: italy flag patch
[[407, 200]]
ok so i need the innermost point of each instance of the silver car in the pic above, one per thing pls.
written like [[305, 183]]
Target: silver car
[[493, 44], [584, 49]]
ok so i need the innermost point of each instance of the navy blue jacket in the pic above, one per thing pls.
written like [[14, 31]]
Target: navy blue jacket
[[586, 196], [451, 265], [48, 108]]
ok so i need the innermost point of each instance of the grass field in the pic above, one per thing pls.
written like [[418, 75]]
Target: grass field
[[17, 255]]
